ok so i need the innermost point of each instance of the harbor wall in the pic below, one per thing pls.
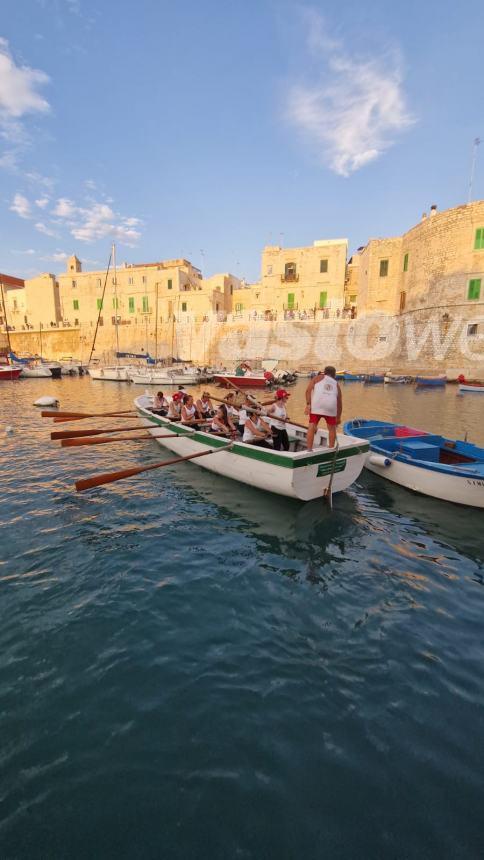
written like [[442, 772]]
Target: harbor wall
[[421, 340]]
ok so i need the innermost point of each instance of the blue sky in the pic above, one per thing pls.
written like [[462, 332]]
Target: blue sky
[[210, 129]]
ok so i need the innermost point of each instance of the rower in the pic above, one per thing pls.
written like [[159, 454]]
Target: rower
[[229, 404], [188, 410], [204, 406], [174, 408], [256, 432], [160, 404], [247, 408], [276, 412], [221, 423]]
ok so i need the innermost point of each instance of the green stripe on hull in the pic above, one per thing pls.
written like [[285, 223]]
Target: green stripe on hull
[[262, 454]]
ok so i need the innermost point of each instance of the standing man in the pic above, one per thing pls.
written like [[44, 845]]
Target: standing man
[[323, 400]]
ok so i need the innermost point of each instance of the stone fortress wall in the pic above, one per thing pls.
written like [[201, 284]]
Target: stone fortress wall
[[419, 299]]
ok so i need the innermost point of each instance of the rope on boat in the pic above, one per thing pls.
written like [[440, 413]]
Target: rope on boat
[[328, 493]]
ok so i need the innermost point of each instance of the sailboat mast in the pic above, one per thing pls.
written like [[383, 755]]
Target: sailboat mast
[[115, 300]]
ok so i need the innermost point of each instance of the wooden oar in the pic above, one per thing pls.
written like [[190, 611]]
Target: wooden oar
[[46, 413], [110, 477], [114, 415], [144, 437], [276, 418], [76, 434]]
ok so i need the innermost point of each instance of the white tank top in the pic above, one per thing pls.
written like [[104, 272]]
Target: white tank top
[[205, 406], [278, 412], [249, 436], [324, 397], [190, 411]]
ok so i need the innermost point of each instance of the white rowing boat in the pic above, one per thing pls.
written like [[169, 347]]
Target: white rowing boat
[[296, 473]]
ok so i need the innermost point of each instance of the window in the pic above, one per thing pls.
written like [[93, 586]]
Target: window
[[76, 321], [474, 290], [290, 301], [405, 263], [238, 307], [98, 282], [323, 266], [472, 330], [131, 304], [403, 301], [184, 307], [145, 304], [353, 299], [143, 279], [323, 299], [115, 304], [290, 271], [231, 289], [99, 304], [383, 268], [74, 284], [479, 239], [101, 321], [75, 304], [269, 270], [170, 284], [130, 281]]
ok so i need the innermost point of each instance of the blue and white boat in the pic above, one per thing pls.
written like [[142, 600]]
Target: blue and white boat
[[426, 463]]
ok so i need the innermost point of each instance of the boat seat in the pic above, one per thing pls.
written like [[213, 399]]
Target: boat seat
[[418, 450]]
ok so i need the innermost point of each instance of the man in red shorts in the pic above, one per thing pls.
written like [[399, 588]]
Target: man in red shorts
[[323, 399]]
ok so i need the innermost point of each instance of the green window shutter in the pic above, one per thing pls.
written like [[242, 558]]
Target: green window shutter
[[239, 307], [405, 263], [145, 304], [170, 283], [479, 239], [290, 301], [184, 307], [115, 304], [474, 289], [75, 304], [131, 304], [99, 303], [323, 299]]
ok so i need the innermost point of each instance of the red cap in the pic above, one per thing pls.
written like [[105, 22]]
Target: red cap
[[281, 392], [176, 396]]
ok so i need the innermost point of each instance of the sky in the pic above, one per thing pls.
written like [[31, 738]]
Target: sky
[[208, 130]]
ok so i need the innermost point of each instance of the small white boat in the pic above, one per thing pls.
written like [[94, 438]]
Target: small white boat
[[35, 371], [426, 463], [464, 385], [167, 376], [297, 473], [70, 366], [395, 379], [114, 373]]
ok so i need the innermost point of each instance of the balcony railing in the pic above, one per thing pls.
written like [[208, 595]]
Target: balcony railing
[[289, 278]]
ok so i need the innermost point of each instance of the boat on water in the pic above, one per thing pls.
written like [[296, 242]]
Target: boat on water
[[352, 377], [373, 378], [167, 376], [8, 371], [297, 473], [474, 385], [427, 463], [431, 381], [113, 373], [35, 371], [396, 379]]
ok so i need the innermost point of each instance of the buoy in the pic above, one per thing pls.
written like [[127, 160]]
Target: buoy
[[9, 429], [47, 401]]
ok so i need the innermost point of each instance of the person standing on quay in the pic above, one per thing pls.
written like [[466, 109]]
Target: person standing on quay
[[323, 400]]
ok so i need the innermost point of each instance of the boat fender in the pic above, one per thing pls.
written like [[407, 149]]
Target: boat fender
[[379, 460]]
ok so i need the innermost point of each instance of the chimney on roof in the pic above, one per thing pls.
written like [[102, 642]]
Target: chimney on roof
[[433, 209]]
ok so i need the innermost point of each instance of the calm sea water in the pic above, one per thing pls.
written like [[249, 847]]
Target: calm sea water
[[190, 668]]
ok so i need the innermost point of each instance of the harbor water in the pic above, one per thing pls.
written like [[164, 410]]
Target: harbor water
[[192, 668]]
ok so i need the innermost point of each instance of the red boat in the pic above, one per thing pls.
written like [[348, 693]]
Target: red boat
[[245, 377], [9, 372]]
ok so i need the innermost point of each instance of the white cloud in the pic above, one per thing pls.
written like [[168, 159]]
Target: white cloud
[[56, 257], [100, 221], [21, 206], [43, 228], [90, 184], [42, 202], [9, 160], [355, 110], [65, 208], [29, 252], [19, 86]]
